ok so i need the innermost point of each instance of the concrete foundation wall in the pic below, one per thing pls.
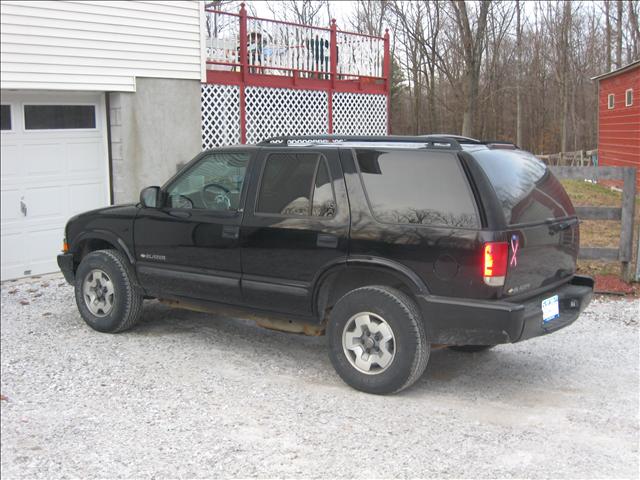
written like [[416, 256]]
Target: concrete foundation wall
[[153, 131]]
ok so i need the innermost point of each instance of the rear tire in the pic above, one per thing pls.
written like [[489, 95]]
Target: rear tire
[[107, 297], [470, 348], [377, 340]]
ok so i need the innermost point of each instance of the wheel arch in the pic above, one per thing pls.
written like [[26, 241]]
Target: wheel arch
[[339, 279], [93, 240]]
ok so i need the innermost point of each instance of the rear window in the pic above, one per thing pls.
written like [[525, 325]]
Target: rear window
[[417, 187], [526, 188]]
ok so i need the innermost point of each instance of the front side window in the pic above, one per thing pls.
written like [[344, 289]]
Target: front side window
[[5, 123], [214, 183], [417, 187], [629, 97], [611, 99], [296, 184], [59, 117]]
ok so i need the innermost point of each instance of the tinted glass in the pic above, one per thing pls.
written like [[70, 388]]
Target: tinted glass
[[214, 183], [5, 123], [526, 188], [56, 117], [324, 204], [417, 187], [286, 184]]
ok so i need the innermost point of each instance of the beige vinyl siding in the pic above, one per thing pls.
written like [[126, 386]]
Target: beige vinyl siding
[[98, 45]]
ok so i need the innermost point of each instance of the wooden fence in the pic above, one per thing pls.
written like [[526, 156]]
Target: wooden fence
[[625, 213], [582, 158]]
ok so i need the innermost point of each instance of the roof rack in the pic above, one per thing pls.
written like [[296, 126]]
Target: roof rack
[[445, 142], [491, 144]]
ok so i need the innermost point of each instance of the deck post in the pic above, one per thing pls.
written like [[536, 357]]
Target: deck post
[[333, 71], [386, 73], [244, 62]]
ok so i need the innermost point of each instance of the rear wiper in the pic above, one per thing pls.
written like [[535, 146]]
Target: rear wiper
[[558, 227]]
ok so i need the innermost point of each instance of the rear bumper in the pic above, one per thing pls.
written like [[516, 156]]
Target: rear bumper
[[65, 262], [453, 321]]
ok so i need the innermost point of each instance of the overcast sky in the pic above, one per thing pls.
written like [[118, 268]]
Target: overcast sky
[[341, 10]]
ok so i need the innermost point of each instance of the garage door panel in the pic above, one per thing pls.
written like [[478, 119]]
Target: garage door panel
[[45, 201], [12, 254], [86, 197], [43, 247], [84, 157], [10, 161], [45, 158], [10, 207]]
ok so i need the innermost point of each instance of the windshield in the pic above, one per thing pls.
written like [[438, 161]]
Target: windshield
[[526, 188]]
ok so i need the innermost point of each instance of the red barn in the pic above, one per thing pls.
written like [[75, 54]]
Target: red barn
[[619, 117]]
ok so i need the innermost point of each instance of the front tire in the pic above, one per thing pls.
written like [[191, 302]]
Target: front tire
[[106, 294], [377, 340]]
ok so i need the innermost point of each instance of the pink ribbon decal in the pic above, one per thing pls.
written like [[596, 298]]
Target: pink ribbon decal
[[514, 246]]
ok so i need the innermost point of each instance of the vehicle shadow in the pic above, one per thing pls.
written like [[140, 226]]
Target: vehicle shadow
[[496, 372]]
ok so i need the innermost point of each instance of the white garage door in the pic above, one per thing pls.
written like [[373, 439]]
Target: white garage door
[[54, 165]]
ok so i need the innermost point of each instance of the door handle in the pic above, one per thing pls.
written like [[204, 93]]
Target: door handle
[[231, 232], [23, 207], [327, 241]]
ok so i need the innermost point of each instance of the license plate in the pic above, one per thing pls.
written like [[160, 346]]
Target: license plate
[[550, 309]]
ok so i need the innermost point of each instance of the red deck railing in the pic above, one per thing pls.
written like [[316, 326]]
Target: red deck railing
[[245, 50]]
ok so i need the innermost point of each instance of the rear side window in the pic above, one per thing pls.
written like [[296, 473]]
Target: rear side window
[[417, 187], [525, 187], [296, 184]]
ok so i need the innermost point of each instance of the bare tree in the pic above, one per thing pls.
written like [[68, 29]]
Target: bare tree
[[473, 42], [620, 11], [635, 31], [369, 17], [519, 75], [306, 12], [565, 45], [533, 73], [607, 16]]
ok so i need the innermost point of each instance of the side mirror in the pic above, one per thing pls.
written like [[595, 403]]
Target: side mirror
[[150, 197]]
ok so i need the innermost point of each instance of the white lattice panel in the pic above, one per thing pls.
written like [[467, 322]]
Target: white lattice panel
[[279, 111], [359, 114], [220, 106]]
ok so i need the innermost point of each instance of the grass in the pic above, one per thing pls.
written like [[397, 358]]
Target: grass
[[599, 233]]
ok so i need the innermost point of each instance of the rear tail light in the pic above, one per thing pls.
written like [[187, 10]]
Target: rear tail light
[[494, 263]]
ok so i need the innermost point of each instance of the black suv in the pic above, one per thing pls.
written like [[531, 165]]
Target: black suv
[[391, 245]]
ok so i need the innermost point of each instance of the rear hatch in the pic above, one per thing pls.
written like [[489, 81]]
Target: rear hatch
[[542, 227]]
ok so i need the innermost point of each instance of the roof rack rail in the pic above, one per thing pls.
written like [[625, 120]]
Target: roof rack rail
[[500, 145], [433, 141], [491, 144], [458, 138]]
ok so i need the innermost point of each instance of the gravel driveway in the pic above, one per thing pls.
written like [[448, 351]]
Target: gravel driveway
[[191, 395]]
